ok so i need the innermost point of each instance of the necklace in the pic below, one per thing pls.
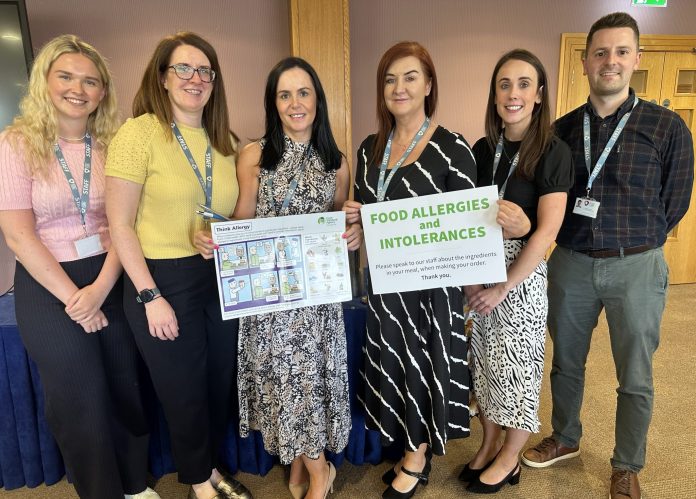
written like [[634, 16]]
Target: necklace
[[73, 140]]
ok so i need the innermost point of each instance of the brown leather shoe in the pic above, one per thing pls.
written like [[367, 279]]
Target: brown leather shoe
[[624, 484], [547, 452]]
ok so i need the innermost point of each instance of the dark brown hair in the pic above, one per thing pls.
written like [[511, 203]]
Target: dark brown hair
[[538, 135], [152, 97], [385, 119], [614, 20]]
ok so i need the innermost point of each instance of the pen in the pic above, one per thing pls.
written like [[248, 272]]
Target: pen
[[209, 215]]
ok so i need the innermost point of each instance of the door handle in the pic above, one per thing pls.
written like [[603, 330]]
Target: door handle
[[666, 102], [653, 101]]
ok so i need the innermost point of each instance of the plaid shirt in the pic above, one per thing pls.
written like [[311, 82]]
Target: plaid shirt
[[645, 185]]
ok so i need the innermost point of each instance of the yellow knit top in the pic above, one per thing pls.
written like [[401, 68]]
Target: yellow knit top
[[144, 151]]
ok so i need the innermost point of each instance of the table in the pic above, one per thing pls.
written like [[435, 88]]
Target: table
[[29, 455]]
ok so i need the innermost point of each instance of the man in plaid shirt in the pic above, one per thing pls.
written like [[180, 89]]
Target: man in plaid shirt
[[634, 168]]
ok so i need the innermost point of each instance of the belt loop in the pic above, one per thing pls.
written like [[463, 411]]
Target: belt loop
[[621, 252]]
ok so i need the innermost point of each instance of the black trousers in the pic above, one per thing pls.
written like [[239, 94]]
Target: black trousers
[[91, 385], [194, 375]]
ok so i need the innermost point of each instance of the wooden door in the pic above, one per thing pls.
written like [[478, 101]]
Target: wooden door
[[666, 76], [679, 95]]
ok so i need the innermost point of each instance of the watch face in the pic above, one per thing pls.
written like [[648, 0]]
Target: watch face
[[146, 295]]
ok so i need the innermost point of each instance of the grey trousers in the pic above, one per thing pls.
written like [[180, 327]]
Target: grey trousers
[[632, 290]]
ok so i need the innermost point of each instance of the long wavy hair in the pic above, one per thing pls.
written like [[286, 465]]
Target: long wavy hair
[[322, 139], [36, 125], [153, 98], [537, 138], [385, 119]]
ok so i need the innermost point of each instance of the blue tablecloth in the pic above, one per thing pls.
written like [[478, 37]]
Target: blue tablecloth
[[29, 455]]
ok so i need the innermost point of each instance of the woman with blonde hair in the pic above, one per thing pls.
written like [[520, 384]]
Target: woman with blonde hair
[[178, 152], [68, 285]]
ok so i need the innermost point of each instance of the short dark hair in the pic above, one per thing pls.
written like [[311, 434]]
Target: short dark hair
[[613, 20], [322, 138]]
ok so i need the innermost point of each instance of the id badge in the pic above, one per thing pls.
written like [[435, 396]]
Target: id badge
[[88, 246], [586, 207]]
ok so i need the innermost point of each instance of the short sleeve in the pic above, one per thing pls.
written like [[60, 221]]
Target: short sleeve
[[462, 170], [15, 180], [555, 173], [129, 151]]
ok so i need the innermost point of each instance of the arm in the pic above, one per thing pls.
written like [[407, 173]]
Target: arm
[[550, 212], [353, 233], [20, 234], [122, 199], [248, 172], [677, 174]]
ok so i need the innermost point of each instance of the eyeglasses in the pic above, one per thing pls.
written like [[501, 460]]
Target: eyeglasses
[[186, 72]]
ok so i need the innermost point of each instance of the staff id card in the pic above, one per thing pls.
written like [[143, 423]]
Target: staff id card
[[88, 246], [586, 207]]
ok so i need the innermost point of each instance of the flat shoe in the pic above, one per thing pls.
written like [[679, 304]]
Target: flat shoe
[[230, 488]]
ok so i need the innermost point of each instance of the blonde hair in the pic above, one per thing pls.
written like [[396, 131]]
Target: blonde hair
[[36, 125]]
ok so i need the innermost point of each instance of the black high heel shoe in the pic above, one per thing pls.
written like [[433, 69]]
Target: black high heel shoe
[[389, 475], [478, 487], [469, 474]]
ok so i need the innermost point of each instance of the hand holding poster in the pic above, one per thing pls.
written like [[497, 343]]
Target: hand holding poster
[[435, 241], [280, 263]]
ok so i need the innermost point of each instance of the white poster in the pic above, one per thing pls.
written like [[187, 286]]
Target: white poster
[[435, 241], [269, 264]]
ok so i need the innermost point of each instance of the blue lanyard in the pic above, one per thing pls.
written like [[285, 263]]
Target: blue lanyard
[[81, 199], [207, 182], [496, 162], [382, 184], [293, 183], [605, 153]]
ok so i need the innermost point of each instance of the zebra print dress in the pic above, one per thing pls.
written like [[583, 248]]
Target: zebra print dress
[[508, 350], [416, 374]]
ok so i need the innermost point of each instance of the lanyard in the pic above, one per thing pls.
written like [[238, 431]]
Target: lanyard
[[496, 161], [382, 184], [605, 153], [293, 183], [207, 182], [81, 199]]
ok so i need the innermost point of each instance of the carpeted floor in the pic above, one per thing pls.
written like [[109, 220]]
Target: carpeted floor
[[671, 462]]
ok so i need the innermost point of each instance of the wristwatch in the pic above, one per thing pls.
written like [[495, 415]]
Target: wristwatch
[[147, 295]]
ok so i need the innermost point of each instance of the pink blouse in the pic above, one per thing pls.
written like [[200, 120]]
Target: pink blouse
[[58, 222]]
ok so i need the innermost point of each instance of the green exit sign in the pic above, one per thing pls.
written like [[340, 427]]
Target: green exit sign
[[649, 3]]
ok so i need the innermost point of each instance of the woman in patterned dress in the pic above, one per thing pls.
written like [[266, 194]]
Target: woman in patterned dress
[[416, 373], [293, 378], [532, 169]]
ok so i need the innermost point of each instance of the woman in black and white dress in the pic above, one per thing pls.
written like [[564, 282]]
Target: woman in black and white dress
[[416, 374], [532, 169]]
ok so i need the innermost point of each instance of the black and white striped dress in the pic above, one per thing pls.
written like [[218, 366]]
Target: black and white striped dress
[[416, 373]]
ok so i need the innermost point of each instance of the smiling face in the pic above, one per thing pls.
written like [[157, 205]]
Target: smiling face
[[187, 97], [610, 61], [405, 87], [517, 91], [75, 88], [296, 102]]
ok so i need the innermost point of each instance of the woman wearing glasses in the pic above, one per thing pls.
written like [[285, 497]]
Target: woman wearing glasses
[[175, 153]]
